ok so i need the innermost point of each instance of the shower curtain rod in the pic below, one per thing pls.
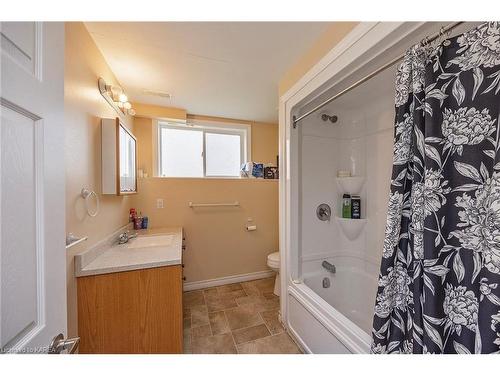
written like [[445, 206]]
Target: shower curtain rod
[[426, 40]]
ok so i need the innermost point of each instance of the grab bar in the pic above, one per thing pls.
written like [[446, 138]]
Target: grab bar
[[232, 204]]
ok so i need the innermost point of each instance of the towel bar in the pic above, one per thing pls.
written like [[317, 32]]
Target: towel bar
[[72, 240], [232, 204]]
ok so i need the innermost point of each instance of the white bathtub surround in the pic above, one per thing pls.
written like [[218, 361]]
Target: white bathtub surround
[[361, 142], [151, 248]]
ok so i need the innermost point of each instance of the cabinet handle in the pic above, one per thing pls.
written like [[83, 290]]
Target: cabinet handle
[[183, 247], [184, 278], [182, 265]]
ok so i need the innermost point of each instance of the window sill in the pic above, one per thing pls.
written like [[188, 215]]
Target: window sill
[[211, 179]]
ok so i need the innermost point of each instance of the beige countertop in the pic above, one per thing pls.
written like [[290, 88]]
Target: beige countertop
[[111, 257]]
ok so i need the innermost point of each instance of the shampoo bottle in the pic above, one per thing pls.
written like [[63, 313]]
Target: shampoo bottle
[[346, 206]]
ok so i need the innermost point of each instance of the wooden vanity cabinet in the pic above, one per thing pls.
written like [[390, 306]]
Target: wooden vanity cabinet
[[136, 311]]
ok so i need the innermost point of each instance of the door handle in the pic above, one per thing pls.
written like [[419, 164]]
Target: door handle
[[59, 344]]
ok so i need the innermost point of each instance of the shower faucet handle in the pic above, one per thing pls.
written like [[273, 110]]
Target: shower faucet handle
[[329, 266], [324, 212]]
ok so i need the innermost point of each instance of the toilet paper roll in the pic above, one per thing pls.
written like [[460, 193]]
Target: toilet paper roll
[[251, 227]]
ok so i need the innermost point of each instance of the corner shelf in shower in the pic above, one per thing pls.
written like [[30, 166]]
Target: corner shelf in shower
[[352, 228], [350, 185]]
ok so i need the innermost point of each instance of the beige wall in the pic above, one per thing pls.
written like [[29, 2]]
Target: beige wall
[[84, 107], [218, 244], [156, 111], [143, 131], [329, 39]]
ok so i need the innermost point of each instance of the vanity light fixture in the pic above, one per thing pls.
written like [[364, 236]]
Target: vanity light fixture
[[115, 96]]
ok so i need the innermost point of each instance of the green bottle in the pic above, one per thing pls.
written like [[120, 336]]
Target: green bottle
[[346, 206]]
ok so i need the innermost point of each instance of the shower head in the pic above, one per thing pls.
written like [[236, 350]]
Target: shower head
[[333, 119]]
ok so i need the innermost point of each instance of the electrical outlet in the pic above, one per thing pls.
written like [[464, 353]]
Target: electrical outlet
[[159, 203]]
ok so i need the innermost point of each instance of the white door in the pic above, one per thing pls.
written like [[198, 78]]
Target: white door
[[32, 227]]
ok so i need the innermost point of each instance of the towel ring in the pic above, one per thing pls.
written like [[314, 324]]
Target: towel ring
[[87, 194]]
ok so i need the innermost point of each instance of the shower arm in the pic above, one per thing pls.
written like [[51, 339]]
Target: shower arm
[[426, 40]]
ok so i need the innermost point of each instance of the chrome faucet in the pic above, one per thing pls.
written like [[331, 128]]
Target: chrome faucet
[[329, 267], [125, 237]]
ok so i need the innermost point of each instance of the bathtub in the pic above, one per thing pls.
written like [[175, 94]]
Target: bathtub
[[337, 319]]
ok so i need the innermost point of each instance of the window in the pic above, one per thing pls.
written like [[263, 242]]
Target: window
[[202, 149]]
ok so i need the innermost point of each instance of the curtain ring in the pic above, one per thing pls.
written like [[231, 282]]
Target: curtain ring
[[446, 36], [441, 34], [87, 194]]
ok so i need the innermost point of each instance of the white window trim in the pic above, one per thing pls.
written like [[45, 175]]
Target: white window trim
[[156, 148], [244, 130]]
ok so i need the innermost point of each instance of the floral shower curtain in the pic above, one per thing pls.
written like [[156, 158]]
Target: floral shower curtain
[[439, 285]]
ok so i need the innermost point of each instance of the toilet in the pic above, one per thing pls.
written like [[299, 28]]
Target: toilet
[[273, 262]]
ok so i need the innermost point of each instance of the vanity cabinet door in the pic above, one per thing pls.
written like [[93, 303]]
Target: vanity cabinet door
[[131, 312]]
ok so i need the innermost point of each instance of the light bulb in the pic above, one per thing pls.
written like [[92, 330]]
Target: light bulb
[[116, 91], [122, 98], [127, 105]]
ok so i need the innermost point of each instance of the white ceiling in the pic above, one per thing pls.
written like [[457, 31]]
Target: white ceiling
[[210, 68]]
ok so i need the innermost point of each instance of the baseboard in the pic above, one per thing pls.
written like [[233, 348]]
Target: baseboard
[[194, 285]]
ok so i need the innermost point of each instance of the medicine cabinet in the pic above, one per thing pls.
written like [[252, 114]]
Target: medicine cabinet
[[119, 158]]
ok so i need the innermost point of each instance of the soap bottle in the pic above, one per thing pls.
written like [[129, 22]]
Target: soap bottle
[[356, 207], [346, 206]]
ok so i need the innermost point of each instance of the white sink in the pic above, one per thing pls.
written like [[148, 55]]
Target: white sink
[[142, 242]]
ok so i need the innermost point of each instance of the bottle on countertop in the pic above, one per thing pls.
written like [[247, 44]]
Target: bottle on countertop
[[356, 207], [346, 206], [145, 222], [132, 215], [138, 222]]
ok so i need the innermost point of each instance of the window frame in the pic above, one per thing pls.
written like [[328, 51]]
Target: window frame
[[205, 127]]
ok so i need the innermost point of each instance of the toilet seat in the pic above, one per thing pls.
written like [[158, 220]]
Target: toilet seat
[[273, 260]]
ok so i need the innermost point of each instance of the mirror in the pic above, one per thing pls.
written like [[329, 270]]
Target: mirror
[[127, 165]]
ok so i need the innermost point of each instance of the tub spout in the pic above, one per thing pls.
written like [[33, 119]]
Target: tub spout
[[329, 267]]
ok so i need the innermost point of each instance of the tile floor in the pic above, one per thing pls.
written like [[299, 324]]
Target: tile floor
[[237, 318]]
